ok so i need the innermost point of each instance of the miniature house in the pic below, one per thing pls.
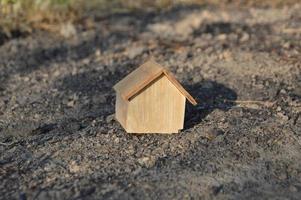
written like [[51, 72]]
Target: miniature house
[[151, 100]]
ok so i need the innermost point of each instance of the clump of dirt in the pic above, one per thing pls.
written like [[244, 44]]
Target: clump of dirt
[[59, 139]]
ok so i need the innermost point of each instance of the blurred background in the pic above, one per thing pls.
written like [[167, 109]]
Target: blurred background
[[24, 16]]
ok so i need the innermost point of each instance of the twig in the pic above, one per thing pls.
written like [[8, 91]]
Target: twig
[[6, 144], [265, 103], [291, 30]]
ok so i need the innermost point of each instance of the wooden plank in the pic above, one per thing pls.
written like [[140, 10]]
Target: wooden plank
[[138, 79], [145, 83], [171, 77], [121, 107]]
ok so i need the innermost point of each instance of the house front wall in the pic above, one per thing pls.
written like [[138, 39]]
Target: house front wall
[[159, 108]]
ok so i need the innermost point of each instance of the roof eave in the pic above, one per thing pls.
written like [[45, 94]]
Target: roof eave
[[170, 77]]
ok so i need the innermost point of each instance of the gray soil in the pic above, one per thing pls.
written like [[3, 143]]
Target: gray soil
[[59, 139]]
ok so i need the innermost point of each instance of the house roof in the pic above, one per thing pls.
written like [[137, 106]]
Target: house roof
[[141, 77]]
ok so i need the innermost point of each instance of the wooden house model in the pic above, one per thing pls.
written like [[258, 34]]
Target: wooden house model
[[151, 100]]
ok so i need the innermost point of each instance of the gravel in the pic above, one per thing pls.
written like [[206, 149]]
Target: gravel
[[59, 139]]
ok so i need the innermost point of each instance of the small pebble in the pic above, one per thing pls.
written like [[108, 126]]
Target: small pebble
[[147, 161], [110, 118], [71, 103], [68, 30], [135, 51], [245, 37], [222, 37], [293, 188], [212, 133], [282, 116]]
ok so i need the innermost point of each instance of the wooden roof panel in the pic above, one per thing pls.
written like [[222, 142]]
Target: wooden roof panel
[[144, 75], [133, 81]]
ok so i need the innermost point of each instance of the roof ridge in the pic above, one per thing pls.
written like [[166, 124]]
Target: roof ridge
[[149, 71], [143, 85]]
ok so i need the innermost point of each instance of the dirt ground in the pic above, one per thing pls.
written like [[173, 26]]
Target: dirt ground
[[59, 139]]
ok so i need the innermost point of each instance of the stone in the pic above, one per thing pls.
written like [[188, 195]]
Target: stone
[[110, 118], [245, 37], [73, 167], [68, 30], [197, 79], [282, 116], [71, 103], [293, 188], [148, 161], [135, 51], [222, 37]]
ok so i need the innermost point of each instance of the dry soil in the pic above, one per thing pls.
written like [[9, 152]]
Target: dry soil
[[59, 139]]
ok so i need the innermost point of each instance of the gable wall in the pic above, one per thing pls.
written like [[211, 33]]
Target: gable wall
[[159, 108]]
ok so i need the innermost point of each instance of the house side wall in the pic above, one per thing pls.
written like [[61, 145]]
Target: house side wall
[[160, 108], [121, 110]]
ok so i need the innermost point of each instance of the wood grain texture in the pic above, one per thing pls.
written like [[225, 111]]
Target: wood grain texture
[[159, 108], [121, 107], [171, 77], [140, 78]]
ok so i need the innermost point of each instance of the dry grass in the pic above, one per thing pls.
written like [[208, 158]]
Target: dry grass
[[26, 15]]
